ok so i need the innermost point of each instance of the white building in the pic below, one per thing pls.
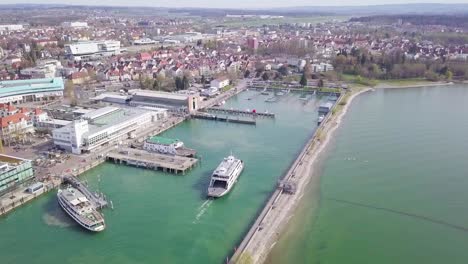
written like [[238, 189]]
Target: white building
[[219, 83], [103, 126], [75, 24], [86, 50], [171, 101], [10, 28], [144, 41], [44, 69], [163, 145]]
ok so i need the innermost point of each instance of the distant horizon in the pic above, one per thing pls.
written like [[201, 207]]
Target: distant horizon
[[207, 4]]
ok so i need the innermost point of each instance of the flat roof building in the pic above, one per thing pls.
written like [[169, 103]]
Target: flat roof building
[[86, 50], [19, 91], [103, 126], [14, 172], [171, 101]]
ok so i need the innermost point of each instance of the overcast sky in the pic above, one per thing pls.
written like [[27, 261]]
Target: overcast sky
[[228, 3]]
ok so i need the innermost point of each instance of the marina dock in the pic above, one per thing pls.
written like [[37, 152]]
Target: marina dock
[[207, 116], [149, 160], [240, 112]]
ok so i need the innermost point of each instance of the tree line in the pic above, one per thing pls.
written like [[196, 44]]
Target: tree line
[[396, 65]]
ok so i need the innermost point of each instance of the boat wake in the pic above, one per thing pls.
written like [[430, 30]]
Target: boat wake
[[57, 218], [202, 210]]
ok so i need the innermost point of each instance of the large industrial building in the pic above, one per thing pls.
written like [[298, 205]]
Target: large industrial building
[[19, 91], [86, 50], [171, 101], [14, 172], [103, 126]]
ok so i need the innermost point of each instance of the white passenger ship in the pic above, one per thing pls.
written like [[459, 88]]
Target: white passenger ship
[[225, 176], [78, 207]]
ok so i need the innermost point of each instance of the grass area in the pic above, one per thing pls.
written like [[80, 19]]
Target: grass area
[[226, 88], [329, 90], [357, 82], [404, 82], [255, 22]]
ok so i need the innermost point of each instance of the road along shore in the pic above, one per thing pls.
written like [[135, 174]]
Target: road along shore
[[265, 231]]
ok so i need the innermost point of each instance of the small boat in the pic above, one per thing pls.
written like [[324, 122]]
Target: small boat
[[271, 99], [279, 93], [320, 119]]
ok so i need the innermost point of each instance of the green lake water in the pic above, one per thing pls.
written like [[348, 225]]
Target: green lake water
[[165, 218], [393, 187]]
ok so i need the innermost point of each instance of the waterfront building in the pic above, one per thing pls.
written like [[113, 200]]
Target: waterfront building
[[219, 83], [163, 145], [170, 101], [14, 172], [86, 50], [104, 126], [19, 91], [16, 123]]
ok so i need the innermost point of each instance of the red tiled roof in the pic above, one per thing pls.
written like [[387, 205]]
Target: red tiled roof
[[4, 121]]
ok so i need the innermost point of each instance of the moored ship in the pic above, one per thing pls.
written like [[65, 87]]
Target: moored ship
[[225, 176], [78, 207]]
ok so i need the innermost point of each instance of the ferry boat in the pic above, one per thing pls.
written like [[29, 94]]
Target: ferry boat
[[225, 176], [78, 207]]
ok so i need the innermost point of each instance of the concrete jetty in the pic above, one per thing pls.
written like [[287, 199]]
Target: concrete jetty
[[266, 225], [240, 112], [207, 116], [149, 160]]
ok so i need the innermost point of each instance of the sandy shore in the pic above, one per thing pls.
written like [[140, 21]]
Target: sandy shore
[[264, 233]]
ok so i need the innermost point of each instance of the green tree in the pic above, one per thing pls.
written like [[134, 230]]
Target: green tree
[[178, 83], [320, 83], [448, 75], [303, 80], [203, 81], [185, 83], [283, 70], [246, 73]]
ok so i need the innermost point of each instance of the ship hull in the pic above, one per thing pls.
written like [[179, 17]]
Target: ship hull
[[70, 213], [217, 192]]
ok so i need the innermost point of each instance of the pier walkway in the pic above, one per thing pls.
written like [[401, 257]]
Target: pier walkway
[[207, 116], [149, 160], [239, 112]]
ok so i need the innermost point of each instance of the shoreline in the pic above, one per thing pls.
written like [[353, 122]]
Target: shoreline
[[265, 232], [429, 84]]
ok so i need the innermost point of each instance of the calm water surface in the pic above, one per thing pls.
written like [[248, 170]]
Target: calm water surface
[[164, 218], [394, 186]]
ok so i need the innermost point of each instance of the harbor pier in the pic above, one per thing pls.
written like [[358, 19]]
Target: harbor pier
[[143, 159], [223, 119], [240, 112]]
